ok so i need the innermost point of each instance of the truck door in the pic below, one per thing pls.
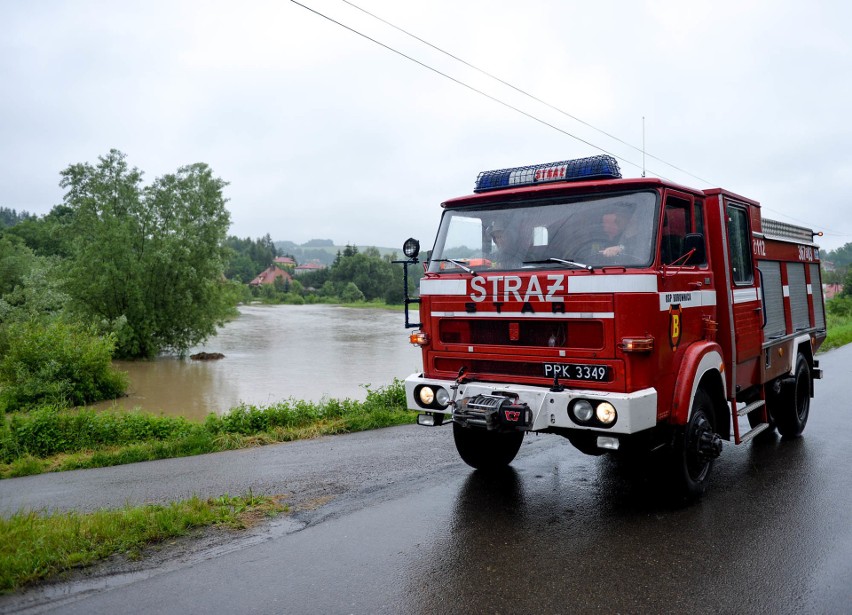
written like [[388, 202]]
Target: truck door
[[746, 308]]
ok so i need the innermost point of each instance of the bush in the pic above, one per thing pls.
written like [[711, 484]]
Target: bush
[[57, 363], [351, 293], [50, 429]]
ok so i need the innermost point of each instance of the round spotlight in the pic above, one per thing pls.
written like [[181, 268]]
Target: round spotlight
[[411, 247], [442, 397], [583, 410], [427, 396], [606, 413]]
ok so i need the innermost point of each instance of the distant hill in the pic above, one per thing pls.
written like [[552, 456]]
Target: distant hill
[[322, 250]]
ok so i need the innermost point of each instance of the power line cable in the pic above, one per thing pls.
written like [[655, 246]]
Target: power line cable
[[522, 91], [473, 89], [507, 105]]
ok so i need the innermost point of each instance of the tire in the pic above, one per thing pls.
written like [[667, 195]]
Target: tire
[[486, 450], [690, 466], [794, 403]]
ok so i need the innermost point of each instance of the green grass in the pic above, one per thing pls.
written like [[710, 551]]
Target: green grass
[[36, 546], [50, 438], [839, 326]]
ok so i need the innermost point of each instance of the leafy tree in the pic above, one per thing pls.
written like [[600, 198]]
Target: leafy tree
[[11, 217], [841, 257], [370, 273], [351, 293], [48, 235], [148, 261], [16, 260], [248, 257]]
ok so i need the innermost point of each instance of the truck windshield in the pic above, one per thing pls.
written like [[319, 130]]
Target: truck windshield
[[601, 231]]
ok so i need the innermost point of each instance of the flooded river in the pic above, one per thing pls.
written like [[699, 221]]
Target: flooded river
[[273, 353]]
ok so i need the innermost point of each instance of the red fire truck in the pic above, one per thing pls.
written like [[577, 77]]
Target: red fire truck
[[627, 315]]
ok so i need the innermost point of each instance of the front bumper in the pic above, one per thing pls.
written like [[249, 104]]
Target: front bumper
[[637, 411]]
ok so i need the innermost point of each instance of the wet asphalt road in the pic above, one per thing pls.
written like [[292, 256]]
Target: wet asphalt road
[[392, 522]]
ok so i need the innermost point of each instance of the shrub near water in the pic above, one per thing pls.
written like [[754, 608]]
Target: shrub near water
[[57, 362], [85, 438]]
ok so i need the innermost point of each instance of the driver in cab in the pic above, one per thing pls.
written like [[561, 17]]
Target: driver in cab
[[509, 249]]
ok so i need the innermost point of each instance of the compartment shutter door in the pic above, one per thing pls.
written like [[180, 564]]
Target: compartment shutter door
[[798, 296], [816, 297], [774, 299]]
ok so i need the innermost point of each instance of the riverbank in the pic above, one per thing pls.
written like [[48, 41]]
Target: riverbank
[[50, 439]]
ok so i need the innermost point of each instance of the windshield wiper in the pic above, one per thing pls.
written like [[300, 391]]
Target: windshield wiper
[[561, 261], [456, 263]]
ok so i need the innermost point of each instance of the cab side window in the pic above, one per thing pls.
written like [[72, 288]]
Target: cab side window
[[678, 222], [740, 246]]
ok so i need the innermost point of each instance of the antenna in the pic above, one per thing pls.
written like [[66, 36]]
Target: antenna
[[643, 146]]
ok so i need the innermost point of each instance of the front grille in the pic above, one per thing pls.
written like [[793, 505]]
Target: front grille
[[585, 334]]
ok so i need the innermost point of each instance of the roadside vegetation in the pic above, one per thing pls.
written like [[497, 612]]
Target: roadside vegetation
[[838, 321], [36, 545], [51, 438]]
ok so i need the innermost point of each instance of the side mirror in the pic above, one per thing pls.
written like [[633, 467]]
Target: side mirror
[[695, 241]]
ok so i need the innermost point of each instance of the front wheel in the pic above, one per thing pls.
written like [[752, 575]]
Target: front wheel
[[794, 402], [695, 448], [486, 450]]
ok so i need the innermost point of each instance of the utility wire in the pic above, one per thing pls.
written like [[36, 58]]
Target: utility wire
[[524, 92], [505, 104], [473, 89]]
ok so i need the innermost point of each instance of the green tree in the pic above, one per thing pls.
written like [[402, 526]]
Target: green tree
[[16, 260], [148, 261], [351, 293], [372, 274], [248, 257], [48, 235]]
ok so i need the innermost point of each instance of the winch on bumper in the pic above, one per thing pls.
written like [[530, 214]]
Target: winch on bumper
[[480, 404]]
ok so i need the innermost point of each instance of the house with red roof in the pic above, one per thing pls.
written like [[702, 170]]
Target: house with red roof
[[269, 275], [307, 267]]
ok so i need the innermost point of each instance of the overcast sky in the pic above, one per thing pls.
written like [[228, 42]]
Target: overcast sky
[[325, 134]]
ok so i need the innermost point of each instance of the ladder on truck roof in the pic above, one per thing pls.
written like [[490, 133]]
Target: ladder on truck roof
[[787, 232]]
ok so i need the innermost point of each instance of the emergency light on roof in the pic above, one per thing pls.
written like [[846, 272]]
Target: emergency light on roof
[[593, 167]]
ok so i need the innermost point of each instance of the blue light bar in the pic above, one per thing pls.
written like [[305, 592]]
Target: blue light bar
[[593, 167]]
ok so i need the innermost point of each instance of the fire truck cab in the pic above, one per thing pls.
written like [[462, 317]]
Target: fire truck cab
[[627, 315]]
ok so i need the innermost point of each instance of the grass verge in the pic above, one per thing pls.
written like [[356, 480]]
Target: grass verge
[[50, 439], [838, 335], [36, 546]]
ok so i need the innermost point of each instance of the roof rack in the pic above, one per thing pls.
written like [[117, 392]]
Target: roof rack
[[787, 232]]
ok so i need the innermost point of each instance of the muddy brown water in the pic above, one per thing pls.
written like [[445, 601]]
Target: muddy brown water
[[273, 353]]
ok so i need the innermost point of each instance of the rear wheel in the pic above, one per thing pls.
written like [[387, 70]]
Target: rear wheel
[[695, 448], [794, 402], [486, 450]]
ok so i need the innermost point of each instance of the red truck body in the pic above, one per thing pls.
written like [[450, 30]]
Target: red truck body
[[705, 312]]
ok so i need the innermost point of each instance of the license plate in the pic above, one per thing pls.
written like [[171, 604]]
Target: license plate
[[577, 371]]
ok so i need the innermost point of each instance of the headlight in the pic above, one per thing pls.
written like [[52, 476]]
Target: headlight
[[606, 413], [442, 397], [427, 396], [583, 410]]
